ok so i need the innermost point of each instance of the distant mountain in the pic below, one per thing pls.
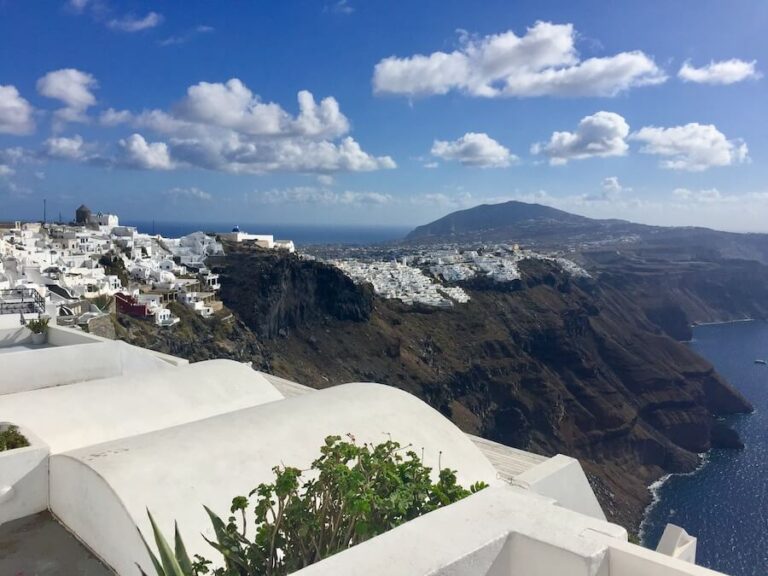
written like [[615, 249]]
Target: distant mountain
[[540, 226], [492, 217], [512, 219]]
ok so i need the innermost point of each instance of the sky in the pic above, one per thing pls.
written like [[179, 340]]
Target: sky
[[384, 112]]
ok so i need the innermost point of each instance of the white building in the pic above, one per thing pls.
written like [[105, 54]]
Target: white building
[[164, 317], [115, 430], [109, 221], [262, 240]]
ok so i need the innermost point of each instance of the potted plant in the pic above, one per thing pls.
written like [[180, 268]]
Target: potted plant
[[11, 438], [38, 327]]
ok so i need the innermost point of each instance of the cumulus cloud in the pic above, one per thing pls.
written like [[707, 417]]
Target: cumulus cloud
[[610, 190], [16, 114], [474, 149], [131, 23], [542, 62], [72, 87], [64, 148], [191, 193], [232, 105], [136, 152], [724, 72], [225, 127], [611, 185], [312, 195], [693, 147], [599, 135]]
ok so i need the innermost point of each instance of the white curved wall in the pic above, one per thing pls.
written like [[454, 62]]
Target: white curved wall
[[175, 471], [61, 365], [87, 413]]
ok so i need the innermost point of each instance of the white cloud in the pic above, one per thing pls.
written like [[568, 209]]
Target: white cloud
[[16, 114], [693, 147], [611, 190], [130, 23], [611, 185], [78, 5], [72, 87], [600, 135], [112, 117], [186, 36], [226, 127], [14, 155], [724, 72], [6, 170], [543, 62], [707, 196], [312, 195], [191, 193], [474, 149], [136, 152], [343, 7], [234, 106], [65, 148]]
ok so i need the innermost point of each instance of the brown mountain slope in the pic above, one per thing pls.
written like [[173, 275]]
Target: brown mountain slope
[[550, 366]]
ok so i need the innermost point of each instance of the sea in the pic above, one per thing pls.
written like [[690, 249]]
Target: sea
[[725, 503], [302, 235]]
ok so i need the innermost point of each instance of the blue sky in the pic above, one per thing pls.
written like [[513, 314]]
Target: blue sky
[[384, 112]]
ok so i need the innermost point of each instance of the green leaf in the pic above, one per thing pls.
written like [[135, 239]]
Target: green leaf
[[158, 568], [167, 558], [181, 552]]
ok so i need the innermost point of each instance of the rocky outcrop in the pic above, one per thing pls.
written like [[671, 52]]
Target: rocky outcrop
[[275, 292]]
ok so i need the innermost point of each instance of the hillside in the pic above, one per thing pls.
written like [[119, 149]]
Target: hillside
[[491, 217], [534, 225], [554, 366], [586, 367]]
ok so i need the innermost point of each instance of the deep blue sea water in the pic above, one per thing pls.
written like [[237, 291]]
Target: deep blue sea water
[[725, 503], [300, 234]]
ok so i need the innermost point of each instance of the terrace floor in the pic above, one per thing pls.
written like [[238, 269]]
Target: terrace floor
[[39, 546]]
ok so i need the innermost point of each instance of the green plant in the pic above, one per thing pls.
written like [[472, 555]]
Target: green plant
[[39, 325], [11, 438], [353, 492]]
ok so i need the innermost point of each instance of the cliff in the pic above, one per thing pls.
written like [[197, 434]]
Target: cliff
[[548, 364], [275, 292]]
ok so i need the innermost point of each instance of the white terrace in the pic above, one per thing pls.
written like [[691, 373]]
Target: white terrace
[[116, 429]]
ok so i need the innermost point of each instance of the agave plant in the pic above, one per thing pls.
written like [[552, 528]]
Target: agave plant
[[174, 562]]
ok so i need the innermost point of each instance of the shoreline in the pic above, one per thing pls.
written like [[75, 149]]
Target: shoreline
[[655, 488], [718, 322]]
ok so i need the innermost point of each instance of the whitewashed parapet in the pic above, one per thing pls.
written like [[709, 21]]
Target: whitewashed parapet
[[23, 479]]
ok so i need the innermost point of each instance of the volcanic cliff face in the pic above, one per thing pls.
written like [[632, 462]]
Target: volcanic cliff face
[[276, 292], [547, 364], [675, 293]]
